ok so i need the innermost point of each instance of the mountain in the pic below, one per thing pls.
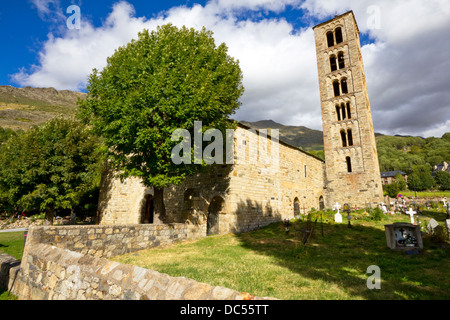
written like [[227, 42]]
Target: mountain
[[21, 108], [297, 136]]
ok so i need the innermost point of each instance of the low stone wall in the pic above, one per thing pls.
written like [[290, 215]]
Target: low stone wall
[[110, 241], [50, 273], [70, 263], [7, 263]]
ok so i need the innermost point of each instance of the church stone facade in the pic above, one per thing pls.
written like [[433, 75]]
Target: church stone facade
[[228, 198], [281, 181]]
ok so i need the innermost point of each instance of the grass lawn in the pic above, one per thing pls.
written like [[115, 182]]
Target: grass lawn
[[11, 243], [426, 194], [271, 263]]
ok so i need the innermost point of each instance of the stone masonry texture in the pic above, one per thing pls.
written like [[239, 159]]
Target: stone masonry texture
[[362, 186]]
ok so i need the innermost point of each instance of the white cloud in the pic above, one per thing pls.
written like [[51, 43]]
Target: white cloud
[[406, 66]]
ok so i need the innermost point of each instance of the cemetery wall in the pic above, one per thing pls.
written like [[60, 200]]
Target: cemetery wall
[[109, 241], [51, 273]]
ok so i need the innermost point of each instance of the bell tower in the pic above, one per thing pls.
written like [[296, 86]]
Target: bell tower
[[351, 159]]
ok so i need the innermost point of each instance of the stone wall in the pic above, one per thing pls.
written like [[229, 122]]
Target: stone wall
[[51, 273], [70, 263], [7, 263], [109, 241], [260, 188]]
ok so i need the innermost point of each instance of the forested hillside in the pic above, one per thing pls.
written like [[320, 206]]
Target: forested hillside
[[398, 153]]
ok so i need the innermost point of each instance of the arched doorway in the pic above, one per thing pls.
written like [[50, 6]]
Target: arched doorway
[[215, 207], [148, 213], [321, 203]]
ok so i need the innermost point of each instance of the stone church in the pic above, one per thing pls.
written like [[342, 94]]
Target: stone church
[[281, 181]]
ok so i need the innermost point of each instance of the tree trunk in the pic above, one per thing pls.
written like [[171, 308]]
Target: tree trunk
[[160, 209], [49, 216]]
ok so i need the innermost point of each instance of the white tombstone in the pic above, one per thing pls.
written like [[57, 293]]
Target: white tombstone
[[337, 216], [383, 208], [411, 213], [444, 200], [432, 226]]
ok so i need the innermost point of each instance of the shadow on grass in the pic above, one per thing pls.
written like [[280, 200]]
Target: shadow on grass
[[342, 256]]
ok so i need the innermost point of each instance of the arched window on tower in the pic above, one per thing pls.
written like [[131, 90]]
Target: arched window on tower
[[338, 34], [338, 112], [344, 86], [344, 139], [341, 60], [336, 88], [350, 137], [349, 164], [333, 63], [349, 111], [344, 115], [330, 39]]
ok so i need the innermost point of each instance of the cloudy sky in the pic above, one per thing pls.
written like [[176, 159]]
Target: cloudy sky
[[405, 47]]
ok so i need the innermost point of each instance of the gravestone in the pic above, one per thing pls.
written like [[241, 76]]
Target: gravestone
[[403, 236], [411, 213], [383, 208], [432, 225], [337, 216]]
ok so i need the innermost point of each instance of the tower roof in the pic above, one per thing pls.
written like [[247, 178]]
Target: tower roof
[[340, 16]]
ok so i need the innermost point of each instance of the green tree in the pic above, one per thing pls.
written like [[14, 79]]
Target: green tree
[[50, 167], [5, 134], [420, 179], [165, 80], [392, 189], [400, 181], [446, 136], [442, 180]]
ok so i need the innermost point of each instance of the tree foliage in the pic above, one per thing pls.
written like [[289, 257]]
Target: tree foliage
[[49, 167], [443, 180], [398, 153], [165, 80]]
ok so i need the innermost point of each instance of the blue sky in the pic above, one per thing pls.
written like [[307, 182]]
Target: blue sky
[[273, 41], [27, 29]]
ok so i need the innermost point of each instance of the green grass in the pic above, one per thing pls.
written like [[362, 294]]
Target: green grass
[[271, 263], [12, 243], [426, 194]]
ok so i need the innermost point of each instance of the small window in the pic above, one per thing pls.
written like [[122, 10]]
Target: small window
[[350, 137], [333, 63], [341, 60], [344, 86], [344, 115], [344, 139], [336, 88], [338, 33], [338, 112], [349, 111], [330, 39], [349, 164]]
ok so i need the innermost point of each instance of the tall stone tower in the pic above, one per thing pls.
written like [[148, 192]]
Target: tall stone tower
[[351, 159]]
